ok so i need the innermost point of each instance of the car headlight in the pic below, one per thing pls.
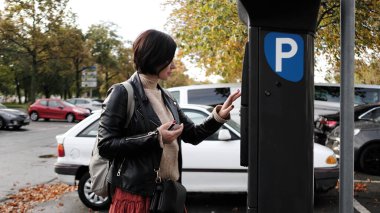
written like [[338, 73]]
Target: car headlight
[[356, 131]]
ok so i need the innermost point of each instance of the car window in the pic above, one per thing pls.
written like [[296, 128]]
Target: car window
[[198, 117], [43, 102], [373, 115], [2, 106], [91, 130], [332, 94], [175, 95], [82, 102], [68, 104], [365, 96], [54, 104], [209, 96], [71, 101], [327, 93]]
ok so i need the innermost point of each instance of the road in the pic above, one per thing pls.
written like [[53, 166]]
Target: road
[[27, 157]]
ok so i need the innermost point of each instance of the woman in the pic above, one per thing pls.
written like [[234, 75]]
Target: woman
[[134, 149]]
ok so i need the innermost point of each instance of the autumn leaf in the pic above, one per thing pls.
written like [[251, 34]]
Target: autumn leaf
[[26, 198]]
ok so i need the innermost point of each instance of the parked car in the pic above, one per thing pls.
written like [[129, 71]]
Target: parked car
[[12, 118], [326, 123], [206, 94], [211, 166], [86, 103], [56, 109], [366, 144]]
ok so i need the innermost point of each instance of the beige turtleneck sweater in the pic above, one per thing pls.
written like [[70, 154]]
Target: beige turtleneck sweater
[[169, 159]]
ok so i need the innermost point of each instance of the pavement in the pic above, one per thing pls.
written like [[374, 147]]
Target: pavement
[[365, 201]]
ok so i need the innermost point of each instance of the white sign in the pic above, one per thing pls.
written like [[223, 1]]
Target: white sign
[[89, 78]]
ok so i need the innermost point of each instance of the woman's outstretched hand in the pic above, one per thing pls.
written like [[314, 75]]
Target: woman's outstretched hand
[[224, 112], [168, 136]]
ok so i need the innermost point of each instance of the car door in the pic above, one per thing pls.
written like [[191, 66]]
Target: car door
[[213, 165], [79, 144], [56, 110], [42, 108]]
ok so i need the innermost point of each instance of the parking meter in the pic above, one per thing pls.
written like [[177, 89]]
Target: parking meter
[[278, 89]]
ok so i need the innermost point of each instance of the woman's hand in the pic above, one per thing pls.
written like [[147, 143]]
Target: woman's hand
[[168, 136], [224, 112]]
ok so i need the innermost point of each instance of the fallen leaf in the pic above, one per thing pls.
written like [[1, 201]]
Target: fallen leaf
[[26, 198]]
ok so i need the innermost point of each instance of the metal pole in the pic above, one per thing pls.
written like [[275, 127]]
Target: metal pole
[[346, 174]]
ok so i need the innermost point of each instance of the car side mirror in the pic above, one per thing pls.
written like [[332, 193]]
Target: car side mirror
[[224, 135]]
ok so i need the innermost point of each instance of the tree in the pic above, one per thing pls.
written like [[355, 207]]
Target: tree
[[108, 51], [32, 26], [368, 71], [73, 47], [367, 32], [211, 34]]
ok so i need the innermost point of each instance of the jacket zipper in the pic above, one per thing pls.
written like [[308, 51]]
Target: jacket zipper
[[144, 136], [149, 134], [119, 170], [149, 120]]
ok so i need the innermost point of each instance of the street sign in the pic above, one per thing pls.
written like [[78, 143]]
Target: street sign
[[285, 55], [89, 78]]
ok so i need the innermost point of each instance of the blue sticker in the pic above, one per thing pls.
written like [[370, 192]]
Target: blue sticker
[[285, 55]]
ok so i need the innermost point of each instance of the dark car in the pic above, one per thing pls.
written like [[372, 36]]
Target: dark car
[[326, 123], [366, 145], [56, 109], [12, 118]]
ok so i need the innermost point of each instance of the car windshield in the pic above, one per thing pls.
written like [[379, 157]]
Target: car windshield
[[68, 104], [234, 122]]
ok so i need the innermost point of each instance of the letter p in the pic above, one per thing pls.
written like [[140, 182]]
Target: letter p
[[280, 54]]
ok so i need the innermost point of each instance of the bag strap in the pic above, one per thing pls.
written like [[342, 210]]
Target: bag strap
[[131, 101]]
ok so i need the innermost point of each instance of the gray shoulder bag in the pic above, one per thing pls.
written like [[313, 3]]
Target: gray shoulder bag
[[99, 166]]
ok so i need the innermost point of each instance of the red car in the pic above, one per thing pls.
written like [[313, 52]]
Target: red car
[[56, 109]]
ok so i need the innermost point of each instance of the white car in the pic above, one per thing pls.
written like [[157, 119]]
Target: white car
[[86, 103], [211, 166]]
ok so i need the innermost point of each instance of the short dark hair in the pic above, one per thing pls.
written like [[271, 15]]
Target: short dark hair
[[153, 51]]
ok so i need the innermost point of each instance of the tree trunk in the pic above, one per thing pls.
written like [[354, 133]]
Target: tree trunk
[[18, 92], [32, 93], [77, 78]]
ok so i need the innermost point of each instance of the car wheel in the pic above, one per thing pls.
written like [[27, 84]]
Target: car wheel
[[370, 159], [2, 123], [34, 116], [70, 118], [89, 198]]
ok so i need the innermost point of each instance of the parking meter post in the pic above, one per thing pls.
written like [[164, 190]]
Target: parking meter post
[[280, 103], [244, 110]]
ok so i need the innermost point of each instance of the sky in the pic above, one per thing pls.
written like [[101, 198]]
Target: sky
[[131, 16]]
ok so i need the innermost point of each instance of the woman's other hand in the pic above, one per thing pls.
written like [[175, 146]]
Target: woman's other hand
[[224, 112], [168, 136]]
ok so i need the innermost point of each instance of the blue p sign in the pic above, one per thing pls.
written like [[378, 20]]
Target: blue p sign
[[285, 55]]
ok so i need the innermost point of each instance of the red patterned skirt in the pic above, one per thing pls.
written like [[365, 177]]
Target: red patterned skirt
[[125, 202]]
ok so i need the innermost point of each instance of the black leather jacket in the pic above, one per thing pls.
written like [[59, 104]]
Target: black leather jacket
[[133, 149]]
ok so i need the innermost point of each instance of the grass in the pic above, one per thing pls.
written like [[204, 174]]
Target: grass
[[17, 106]]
